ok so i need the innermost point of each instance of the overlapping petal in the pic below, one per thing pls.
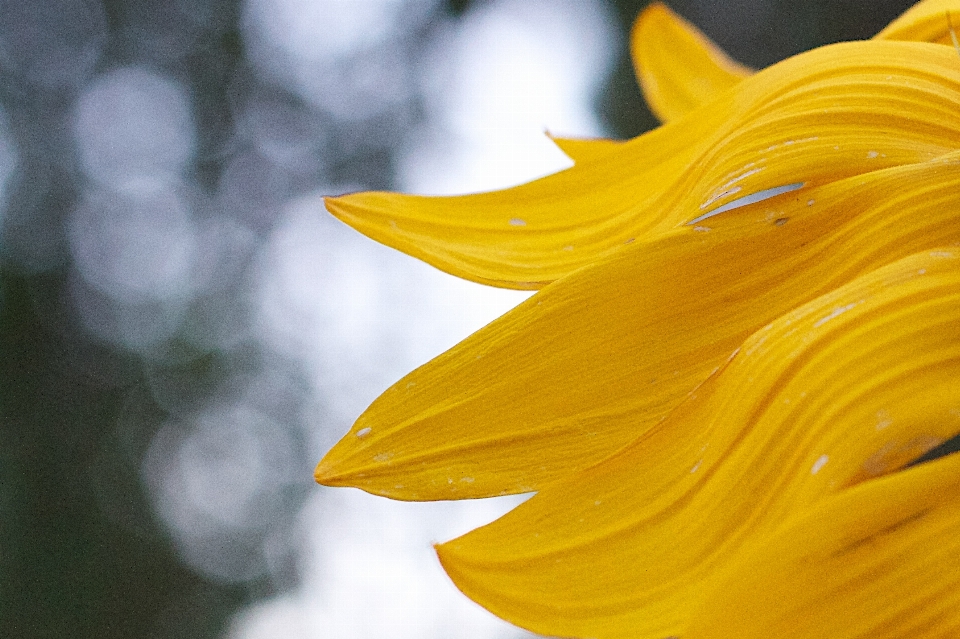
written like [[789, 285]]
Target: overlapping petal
[[586, 365], [749, 330], [878, 561], [678, 67], [927, 21], [846, 388], [819, 117]]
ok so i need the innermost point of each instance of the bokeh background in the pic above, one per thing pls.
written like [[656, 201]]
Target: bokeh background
[[184, 331]]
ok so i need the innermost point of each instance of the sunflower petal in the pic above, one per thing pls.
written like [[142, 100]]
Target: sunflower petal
[[586, 149], [876, 561], [927, 21], [831, 113], [852, 385], [678, 67], [586, 365]]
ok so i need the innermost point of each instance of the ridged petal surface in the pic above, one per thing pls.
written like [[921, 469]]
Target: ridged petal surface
[[588, 364], [847, 388], [878, 561], [680, 69], [831, 113]]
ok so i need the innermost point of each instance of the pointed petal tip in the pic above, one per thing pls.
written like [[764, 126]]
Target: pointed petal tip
[[349, 208], [334, 204], [449, 562], [653, 11], [326, 474], [655, 8], [332, 471]]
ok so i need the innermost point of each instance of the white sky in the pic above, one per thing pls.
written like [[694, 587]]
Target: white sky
[[361, 315]]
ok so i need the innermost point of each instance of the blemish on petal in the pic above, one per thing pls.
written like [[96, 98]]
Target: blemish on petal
[[467, 480], [894, 454], [780, 221], [741, 177], [516, 221], [382, 457], [883, 419], [696, 467], [722, 194], [701, 229], [840, 310], [363, 432], [810, 202], [817, 465], [872, 154], [568, 248]]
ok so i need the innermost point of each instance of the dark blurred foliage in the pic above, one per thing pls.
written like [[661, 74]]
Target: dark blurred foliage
[[81, 552]]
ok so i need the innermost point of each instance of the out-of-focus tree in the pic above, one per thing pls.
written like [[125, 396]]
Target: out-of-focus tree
[[134, 398]]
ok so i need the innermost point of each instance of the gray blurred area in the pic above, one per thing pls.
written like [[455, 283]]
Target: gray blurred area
[[156, 448]]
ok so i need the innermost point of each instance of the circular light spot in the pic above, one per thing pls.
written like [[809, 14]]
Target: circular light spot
[[134, 246], [133, 126]]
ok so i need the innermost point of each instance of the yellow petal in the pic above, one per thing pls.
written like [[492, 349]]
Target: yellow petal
[[591, 362], [821, 116], [925, 21], [877, 561], [586, 149], [853, 385], [678, 67], [677, 64]]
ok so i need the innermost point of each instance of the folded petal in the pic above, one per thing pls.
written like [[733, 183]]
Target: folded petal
[[848, 387], [927, 21], [591, 362], [831, 113], [877, 561], [678, 67]]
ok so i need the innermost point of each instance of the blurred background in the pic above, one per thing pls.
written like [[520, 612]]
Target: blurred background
[[184, 331]]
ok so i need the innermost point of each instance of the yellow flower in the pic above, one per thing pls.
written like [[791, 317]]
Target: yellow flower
[[748, 330]]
